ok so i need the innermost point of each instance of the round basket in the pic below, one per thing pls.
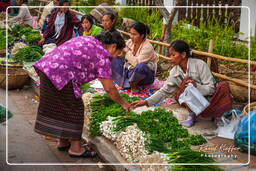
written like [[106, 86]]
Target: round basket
[[252, 107], [17, 78]]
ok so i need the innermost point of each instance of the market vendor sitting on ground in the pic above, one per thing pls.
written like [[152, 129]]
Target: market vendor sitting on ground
[[60, 27], [61, 71], [190, 70], [90, 29], [24, 17], [140, 63], [109, 21]]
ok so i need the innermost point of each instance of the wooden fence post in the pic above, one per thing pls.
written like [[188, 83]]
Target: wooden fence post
[[210, 50]]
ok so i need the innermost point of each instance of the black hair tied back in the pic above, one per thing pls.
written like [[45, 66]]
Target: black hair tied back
[[181, 46], [108, 38]]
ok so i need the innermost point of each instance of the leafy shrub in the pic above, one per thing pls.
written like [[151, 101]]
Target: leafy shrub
[[198, 38], [253, 48], [149, 16]]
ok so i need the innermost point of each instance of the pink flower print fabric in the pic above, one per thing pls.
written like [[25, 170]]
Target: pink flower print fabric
[[80, 60]]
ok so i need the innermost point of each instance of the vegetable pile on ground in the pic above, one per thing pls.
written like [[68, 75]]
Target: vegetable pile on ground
[[22, 43], [150, 137]]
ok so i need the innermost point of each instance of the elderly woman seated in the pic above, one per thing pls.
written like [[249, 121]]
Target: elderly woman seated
[[140, 63]]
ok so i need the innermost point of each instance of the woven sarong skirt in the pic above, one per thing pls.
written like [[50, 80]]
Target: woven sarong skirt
[[60, 113]]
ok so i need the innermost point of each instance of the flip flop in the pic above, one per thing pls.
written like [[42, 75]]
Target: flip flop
[[65, 148], [86, 154]]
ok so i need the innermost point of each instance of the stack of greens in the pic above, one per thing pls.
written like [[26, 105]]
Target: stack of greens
[[28, 36], [28, 54], [102, 107], [162, 131]]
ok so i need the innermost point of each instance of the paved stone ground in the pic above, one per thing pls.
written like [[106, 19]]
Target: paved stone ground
[[26, 146]]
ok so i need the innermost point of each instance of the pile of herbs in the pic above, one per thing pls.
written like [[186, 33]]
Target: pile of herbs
[[29, 37], [103, 106], [162, 129], [189, 156], [28, 54], [24, 33]]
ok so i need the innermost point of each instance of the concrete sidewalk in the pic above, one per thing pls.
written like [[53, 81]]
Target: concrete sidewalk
[[24, 146], [27, 147]]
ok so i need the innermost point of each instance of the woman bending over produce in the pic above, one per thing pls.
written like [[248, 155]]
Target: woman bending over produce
[[62, 72]]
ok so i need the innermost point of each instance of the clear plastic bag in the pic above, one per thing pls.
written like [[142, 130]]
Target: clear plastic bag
[[230, 126]]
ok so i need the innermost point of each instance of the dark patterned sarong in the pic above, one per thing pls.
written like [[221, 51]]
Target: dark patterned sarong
[[220, 102], [140, 74], [60, 114]]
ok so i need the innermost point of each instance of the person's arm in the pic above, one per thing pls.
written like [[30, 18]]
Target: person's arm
[[50, 25], [167, 90], [206, 86], [76, 22], [113, 93], [145, 54]]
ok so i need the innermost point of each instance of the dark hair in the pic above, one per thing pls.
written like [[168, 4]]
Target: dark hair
[[181, 46], [89, 18], [141, 29], [108, 38], [61, 2], [25, 1], [112, 15]]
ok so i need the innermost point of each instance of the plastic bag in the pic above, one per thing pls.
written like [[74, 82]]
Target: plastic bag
[[242, 134], [193, 99], [230, 126]]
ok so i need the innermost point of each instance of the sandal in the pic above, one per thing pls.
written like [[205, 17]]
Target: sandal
[[86, 154], [65, 148]]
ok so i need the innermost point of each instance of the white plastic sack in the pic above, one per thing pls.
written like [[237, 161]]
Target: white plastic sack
[[229, 128], [193, 99]]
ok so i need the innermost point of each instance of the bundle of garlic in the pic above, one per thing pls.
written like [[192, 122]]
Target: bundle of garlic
[[87, 98], [156, 158], [18, 46], [106, 127], [130, 143]]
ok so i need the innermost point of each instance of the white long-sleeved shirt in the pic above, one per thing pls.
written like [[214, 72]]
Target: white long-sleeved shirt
[[197, 69]]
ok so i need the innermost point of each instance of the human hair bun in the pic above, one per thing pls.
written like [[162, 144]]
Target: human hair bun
[[108, 37]]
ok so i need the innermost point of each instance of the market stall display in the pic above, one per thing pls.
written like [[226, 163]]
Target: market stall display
[[142, 138]]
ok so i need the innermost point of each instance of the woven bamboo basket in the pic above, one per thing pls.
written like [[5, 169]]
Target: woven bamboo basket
[[17, 77]]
